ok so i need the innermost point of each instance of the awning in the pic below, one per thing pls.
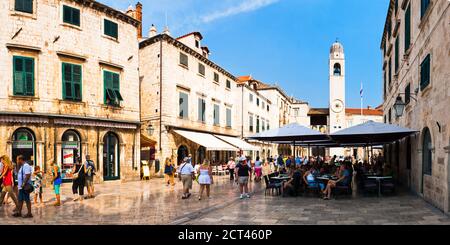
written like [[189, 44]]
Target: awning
[[208, 141], [292, 132], [147, 142], [242, 145]]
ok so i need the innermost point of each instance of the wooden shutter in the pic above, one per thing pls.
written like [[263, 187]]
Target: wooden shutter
[[18, 70], [408, 28]]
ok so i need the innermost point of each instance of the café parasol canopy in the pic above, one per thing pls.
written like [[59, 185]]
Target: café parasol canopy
[[371, 133], [290, 133]]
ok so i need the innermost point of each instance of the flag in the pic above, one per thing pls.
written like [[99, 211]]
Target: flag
[[361, 92]]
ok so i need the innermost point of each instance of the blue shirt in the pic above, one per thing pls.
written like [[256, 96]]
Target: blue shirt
[[257, 164], [298, 161], [22, 175], [186, 169]]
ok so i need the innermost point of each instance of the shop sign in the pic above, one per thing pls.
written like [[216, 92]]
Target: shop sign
[[23, 145], [70, 145]]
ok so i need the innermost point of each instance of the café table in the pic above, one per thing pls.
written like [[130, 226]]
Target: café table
[[379, 179], [280, 178]]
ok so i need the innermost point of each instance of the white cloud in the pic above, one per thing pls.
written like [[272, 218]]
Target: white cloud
[[243, 7]]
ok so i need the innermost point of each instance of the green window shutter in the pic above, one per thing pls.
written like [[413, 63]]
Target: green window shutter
[[111, 29], [425, 71], [23, 76], [72, 82], [408, 28], [112, 88], [397, 53], [71, 15], [228, 117], [24, 6], [423, 7]]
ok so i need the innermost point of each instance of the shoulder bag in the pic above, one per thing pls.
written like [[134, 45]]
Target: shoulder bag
[[27, 187], [77, 174]]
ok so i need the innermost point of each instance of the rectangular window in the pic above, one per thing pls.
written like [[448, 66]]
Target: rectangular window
[[25, 6], [250, 97], [384, 83], [71, 79], [23, 76], [71, 15], [250, 123], [111, 29], [228, 118], [268, 126], [228, 84], [424, 4], [397, 52], [408, 94], [201, 110], [390, 72], [257, 124], [201, 69], [184, 60], [216, 115], [268, 108], [425, 72], [183, 105], [216, 77], [396, 7], [408, 28], [390, 115], [263, 105], [112, 88], [389, 30], [257, 101], [263, 125]]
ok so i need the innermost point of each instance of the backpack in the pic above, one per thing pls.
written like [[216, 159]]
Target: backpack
[[90, 169]]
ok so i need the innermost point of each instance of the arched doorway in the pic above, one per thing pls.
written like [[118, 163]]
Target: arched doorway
[[111, 156], [24, 143], [427, 155], [70, 151], [201, 154], [182, 153]]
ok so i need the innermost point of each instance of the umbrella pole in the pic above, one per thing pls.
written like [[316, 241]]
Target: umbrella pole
[[295, 152]]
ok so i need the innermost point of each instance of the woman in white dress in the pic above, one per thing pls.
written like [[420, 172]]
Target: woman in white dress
[[205, 178]]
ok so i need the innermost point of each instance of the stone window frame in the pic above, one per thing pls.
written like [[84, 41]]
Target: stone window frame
[[13, 11], [103, 19], [24, 53]]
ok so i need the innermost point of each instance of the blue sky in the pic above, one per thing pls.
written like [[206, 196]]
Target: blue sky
[[283, 41]]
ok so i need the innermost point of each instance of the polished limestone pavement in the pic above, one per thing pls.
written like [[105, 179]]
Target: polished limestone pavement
[[152, 202]]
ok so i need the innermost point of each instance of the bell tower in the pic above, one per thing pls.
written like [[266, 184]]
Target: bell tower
[[337, 91]]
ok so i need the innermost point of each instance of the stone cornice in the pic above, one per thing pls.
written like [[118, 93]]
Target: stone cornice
[[109, 11], [186, 49]]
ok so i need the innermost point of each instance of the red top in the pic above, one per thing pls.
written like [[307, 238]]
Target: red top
[[7, 179]]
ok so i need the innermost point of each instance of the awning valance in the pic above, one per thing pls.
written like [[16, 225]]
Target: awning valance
[[76, 122], [20, 119], [208, 141], [238, 143]]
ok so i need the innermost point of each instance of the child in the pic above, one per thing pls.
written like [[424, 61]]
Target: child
[[38, 176]]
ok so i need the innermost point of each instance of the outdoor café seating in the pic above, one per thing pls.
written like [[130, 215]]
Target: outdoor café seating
[[272, 186], [387, 186]]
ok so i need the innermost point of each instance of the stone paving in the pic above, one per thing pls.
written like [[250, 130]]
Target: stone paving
[[402, 209], [152, 202]]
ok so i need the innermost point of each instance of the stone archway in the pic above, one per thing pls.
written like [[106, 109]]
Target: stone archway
[[182, 152]]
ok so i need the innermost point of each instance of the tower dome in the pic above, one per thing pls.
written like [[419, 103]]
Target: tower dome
[[336, 48]]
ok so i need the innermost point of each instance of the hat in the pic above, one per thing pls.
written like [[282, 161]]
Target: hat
[[185, 159], [242, 159]]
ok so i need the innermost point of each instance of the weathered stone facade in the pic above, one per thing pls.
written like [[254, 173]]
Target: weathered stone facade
[[163, 78], [49, 41], [427, 110]]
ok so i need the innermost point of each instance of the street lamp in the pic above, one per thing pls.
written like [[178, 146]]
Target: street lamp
[[399, 106], [150, 130]]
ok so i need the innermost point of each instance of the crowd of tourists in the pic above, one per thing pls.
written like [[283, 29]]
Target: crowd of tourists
[[22, 179]]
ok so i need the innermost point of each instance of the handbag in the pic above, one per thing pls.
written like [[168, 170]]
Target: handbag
[[179, 175], [28, 188], [77, 174]]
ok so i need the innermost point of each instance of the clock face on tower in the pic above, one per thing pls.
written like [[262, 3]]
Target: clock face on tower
[[337, 106]]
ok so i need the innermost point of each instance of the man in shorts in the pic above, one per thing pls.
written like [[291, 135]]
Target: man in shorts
[[90, 172], [24, 177], [186, 173], [243, 172]]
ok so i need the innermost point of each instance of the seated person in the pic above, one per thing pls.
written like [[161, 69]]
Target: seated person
[[344, 180], [310, 179], [292, 186]]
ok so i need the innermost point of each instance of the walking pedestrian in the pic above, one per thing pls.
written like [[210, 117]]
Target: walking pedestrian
[[37, 183], [205, 179], [258, 169], [56, 181], [231, 165], [25, 186], [7, 176], [169, 172], [90, 173], [186, 176], [78, 180], [243, 171]]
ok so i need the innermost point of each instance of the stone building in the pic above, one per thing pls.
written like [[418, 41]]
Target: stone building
[[188, 102], [415, 47], [69, 73]]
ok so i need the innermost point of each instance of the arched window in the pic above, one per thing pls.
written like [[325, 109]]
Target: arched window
[[24, 143], [427, 148], [70, 151], [337, 69]]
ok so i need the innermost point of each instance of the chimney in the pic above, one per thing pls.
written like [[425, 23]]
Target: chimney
[[138, 16]]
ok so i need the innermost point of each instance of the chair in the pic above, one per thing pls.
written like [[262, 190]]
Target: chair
[[369, 186], [220, 170], [387, 185], [346, 189], [215, 170], [270, 187], [314, 189]]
